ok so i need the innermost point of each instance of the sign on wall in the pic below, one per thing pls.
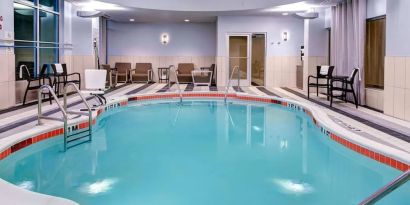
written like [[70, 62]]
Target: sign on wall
[[1, 23]]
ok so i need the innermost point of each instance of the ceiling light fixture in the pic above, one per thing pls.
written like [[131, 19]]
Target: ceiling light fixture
[[132, 20], [295, 7], [98, 6], [285, 14], [187, 20]]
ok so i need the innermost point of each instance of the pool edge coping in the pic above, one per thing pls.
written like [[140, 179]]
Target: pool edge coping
[[375, 150]]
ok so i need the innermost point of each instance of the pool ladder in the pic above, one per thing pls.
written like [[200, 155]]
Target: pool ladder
[[68, 138], [386, 190]]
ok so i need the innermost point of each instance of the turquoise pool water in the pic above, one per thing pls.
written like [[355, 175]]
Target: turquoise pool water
[[202, 153]]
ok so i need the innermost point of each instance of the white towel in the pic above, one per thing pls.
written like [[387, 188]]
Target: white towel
[[324, 69], [59, 68]]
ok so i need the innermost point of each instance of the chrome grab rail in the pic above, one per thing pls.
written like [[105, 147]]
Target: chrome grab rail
[[390, 187], [177, 81], [230, 79], [40, 115], [89, 114]]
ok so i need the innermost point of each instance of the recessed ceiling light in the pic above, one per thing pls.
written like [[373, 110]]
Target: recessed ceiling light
[[132, 20], [285, 14], [187, 20]]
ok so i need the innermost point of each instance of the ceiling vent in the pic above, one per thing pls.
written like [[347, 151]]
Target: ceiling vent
[[91, 14], [308, 15]]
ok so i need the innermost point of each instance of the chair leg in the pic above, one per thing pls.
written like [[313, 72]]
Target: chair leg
[[345, 93], [25, 93], [327, 89], [331, 98], [354, 96]]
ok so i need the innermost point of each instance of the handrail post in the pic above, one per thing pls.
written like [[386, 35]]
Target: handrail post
[[177, 81], [40, 102], [229, 82], [77, 90]]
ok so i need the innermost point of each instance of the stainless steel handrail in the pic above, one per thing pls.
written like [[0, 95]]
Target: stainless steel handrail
[[40, 115], [177, 81], [229, 81], [89, 114], [393, 185]]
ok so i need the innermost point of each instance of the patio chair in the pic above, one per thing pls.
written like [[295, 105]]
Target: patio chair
[[61, 76], [112, 76], [142, 73], [31, 85], [323, 73], [184, 74], [346, 85], [123, 71], [95, 84]]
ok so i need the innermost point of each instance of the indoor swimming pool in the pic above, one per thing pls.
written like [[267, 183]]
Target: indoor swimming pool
[[202, 152]]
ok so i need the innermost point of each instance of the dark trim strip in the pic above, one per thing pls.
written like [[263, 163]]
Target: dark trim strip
[[137, 90], [166, 88], [189, 87], [267, 92]]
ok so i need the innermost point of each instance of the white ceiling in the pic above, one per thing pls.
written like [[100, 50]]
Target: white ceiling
[[194, 10]]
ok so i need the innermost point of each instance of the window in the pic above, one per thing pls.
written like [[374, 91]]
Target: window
[[36, 34]]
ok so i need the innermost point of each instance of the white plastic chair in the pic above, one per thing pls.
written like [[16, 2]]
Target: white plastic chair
[[95, 84]]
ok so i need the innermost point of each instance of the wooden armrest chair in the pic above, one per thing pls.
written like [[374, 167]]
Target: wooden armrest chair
[[142, 73], [112, 75], [184, 74], [123, 71]]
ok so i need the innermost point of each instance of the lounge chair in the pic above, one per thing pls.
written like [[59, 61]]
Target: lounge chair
[[123, 71], [142, 73], [184, 72], [322, 72], [346, 85], [41, 80], [61, 76], [112, 76]]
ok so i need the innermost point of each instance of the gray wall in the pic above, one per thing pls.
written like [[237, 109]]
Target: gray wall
[[376, 8], [144, 39], [398, 28], [272, 25], [316, 41], [81, 34]]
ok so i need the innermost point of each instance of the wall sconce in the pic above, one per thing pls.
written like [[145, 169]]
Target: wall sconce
[[164, 38], [285, 36]]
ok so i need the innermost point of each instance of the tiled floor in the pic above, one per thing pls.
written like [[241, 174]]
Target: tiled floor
[[365, 122]]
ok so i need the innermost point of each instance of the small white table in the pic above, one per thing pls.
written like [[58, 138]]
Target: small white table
[[201, 77]]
